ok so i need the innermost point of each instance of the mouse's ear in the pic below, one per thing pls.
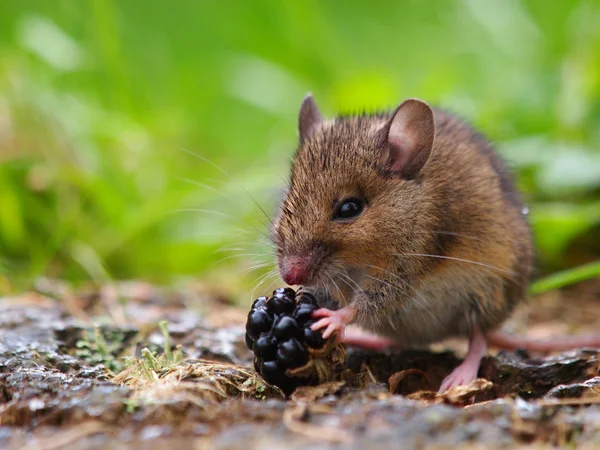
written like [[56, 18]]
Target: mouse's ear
[[410, 135], [308, 118]]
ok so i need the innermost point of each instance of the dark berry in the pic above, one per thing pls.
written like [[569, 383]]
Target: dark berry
[[249, 341], [292, 354], [259, 302], [265, 347], [286, 327], [284, 360], [278, 305], [305, 298], [271, 372], [281, 304], [304, 313], [313, 339], [259, 321], [286, 292]]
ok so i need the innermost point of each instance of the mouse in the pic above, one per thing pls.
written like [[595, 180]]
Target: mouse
[[411, 222]]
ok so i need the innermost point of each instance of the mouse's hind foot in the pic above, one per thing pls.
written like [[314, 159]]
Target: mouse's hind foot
[[466, 372]]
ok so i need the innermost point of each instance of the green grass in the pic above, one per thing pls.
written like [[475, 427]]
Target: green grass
[[102, 102], [566, 278]]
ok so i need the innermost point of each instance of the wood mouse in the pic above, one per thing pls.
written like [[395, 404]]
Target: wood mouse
[[412, 221]]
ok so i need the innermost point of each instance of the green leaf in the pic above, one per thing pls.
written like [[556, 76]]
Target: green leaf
[[566, 278]]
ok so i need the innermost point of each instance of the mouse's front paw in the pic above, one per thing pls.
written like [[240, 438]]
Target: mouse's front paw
[[333, 321]]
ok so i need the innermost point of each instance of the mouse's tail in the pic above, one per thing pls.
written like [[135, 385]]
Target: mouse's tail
[[508, 342]]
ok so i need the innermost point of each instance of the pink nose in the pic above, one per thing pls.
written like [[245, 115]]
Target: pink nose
[[294, 270]]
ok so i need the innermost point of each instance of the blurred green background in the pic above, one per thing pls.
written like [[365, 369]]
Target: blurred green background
[[104, 104]]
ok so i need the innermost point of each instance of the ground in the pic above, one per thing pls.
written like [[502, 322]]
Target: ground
[[64, 383]]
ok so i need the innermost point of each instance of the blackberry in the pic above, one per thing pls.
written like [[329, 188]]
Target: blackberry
[[282, 302], [265, 347], [286, 327], [285, 348], [313, 339], [259, 321], [304, 298], [303, 313], [292, 353]]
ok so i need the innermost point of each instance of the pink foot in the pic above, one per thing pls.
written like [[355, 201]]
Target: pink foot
[[368, 341], [461, 376], [333, 321], [466, 372]]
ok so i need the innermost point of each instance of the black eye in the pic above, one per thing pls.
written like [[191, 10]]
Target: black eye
[[348, 208]]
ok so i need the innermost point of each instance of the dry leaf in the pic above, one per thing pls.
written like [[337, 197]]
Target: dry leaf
[[458, 395], [310, 394]]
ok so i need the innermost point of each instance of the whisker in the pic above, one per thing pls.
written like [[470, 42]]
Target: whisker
[[346, 279], [220, 234], [351, 287], [219, 213], [229, 248], [336, 286], [477, 263], [254, 267], [259, 259], [209, 187], [217, 191], [394, 286], [271, 275], [237, 255], [398, 277], [451, 233], [323, 286], [232, 179], [268, 275], [269, 287], [410, 287], [258, 280]]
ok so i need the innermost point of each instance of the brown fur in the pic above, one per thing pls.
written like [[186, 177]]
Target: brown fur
[[462, 204]]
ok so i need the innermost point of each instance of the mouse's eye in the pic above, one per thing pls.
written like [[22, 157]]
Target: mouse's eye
[[348, 209]]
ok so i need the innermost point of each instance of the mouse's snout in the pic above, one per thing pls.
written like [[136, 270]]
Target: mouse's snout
[[295, 269]]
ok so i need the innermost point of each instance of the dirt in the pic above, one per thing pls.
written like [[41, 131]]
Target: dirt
[[88, 370]]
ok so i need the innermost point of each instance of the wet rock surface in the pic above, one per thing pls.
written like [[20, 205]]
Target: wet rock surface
[[60, 355]]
